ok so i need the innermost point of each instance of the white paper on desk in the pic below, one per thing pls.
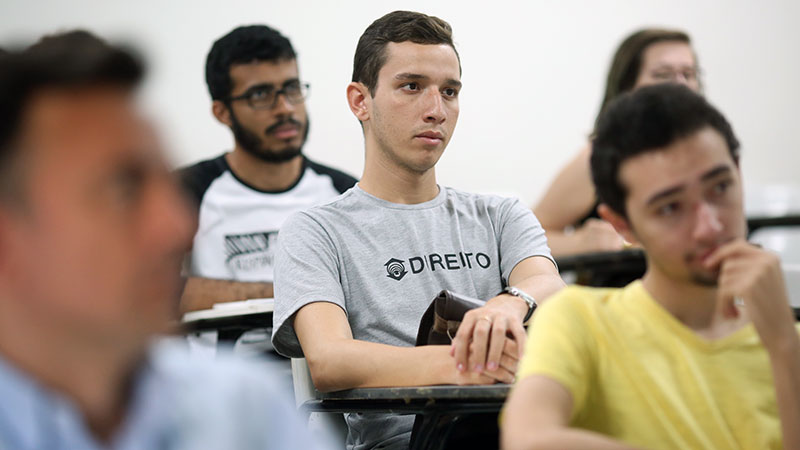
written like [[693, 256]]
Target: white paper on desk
[[246, 304]]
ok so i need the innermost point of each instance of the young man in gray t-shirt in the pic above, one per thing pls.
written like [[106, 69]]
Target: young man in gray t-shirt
[[354, 276]]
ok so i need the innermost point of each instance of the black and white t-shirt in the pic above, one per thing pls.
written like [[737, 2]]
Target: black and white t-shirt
[[238, 224]]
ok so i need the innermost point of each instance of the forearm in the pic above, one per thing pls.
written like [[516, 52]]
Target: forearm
[[559, 439], [349, 363], [541, 287], [202, 293], [786, 375]]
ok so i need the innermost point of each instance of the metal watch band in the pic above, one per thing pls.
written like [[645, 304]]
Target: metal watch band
[[530, 301]]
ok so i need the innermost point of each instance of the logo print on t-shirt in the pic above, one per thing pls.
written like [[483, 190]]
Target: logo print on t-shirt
[[395, 269], [251, 251]]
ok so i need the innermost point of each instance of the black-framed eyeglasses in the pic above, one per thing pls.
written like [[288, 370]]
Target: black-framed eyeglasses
[[265, 97]]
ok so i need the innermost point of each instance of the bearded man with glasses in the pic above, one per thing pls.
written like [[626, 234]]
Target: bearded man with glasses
[[243, 196]]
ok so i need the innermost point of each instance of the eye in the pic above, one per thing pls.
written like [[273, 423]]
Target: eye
[[413, 86], [662, 75], [127, 184], [450, 92], [668, 210], [292, 87], [260, 94], [722, 187]]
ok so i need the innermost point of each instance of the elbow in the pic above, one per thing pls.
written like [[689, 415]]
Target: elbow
[[323, 372]]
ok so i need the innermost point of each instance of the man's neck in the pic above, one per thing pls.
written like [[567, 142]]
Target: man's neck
[[694, 305], [395, 184], [95, 377], [263, 175]]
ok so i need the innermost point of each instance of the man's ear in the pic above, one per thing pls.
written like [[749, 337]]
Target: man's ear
[[617, 221], [358, 99], [221, 112]]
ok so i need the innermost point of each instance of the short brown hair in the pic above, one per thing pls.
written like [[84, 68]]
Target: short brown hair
[[397, 26], [627, 61], [70, 60]]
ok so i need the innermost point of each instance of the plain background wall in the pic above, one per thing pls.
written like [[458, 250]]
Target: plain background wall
[[533, 73]]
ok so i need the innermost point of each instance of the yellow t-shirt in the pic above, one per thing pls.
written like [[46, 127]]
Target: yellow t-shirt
[[639, 375]]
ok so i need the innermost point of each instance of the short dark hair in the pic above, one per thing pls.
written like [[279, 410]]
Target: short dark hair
[[627, 61], [243, 45], [70, 60], [645, 120], [397, 26]]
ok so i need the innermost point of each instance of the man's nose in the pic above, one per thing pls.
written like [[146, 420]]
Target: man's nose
[[434, 107], [681, 78], [708, 222], [282, 105]]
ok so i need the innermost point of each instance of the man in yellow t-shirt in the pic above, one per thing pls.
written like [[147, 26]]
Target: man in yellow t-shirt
[[703, 351]]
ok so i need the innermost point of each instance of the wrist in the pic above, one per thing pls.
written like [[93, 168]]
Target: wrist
[[521, 296], [511, 303], [445, 367]]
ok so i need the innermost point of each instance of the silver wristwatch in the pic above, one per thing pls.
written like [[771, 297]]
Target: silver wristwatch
[[531, 302]]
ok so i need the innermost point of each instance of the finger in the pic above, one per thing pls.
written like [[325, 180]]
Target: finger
[[479, 344], [484, 378], [496, 344], [725, 251], [729, 289], [462, 340], [509, 364], [471, 378], [501, 374], [518, 333], [511, 348]]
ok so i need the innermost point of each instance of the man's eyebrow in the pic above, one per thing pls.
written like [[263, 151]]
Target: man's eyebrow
[[665, 193], [416, 76], [260, 86], [455, 83], [713, 173], [270, 86], [410, 76], [716, 171]]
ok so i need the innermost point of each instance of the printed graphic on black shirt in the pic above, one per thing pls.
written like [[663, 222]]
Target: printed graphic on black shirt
[[251, 251]]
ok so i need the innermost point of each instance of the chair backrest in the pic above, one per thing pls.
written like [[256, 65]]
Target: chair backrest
[[330, 425], [303, 385]]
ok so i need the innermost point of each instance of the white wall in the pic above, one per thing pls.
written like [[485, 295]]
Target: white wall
[[533, 73]]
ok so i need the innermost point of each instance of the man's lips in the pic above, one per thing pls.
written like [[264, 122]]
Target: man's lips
[[431, 137], [287, 131], [701, 256]]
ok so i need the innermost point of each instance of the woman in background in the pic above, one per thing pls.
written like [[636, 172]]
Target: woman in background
[[568, 209]]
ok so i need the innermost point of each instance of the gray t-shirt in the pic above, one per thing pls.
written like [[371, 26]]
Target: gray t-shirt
[[383, 263]]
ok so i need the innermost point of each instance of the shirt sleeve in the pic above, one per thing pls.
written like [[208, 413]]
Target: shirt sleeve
[[520, 236], [560, 346], [307, 270]]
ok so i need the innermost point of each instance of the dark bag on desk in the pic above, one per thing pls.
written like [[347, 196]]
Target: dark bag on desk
[[440, 322], [438, 326]]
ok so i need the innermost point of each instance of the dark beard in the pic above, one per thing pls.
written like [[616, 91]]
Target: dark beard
[[251, 143]]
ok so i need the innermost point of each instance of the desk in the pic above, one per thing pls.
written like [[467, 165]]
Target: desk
[[763, 221], [605, 269], [438, 407], [230, 320]]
